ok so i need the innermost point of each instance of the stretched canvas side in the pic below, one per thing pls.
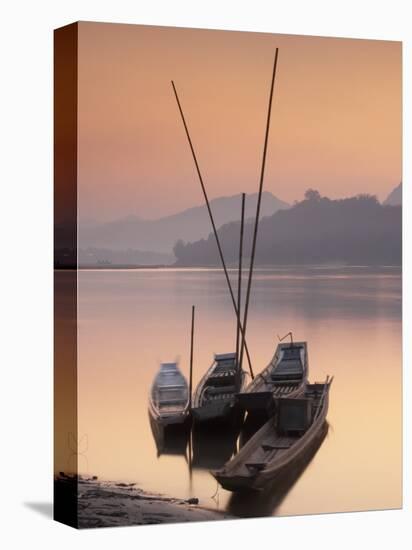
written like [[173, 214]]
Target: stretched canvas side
[[65, 275]]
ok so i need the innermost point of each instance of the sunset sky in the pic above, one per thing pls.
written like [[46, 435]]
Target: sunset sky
[[336, 119]]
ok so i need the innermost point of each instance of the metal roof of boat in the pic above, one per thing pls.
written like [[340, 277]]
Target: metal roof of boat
[[168, 366], [283, 345], [224, 356]]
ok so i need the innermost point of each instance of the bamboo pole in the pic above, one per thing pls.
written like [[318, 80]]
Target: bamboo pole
[[239, 281], [191, 358], [255, 231], [244, 345]]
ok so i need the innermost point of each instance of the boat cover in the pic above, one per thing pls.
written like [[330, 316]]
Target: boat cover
[[290, 366]]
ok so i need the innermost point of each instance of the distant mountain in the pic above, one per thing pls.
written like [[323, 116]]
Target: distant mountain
[[318, 230], [162, 234], [395, 196]]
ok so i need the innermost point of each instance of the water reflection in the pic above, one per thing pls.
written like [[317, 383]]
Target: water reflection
[[213, 447], [130, 321], [173, 441], [207, 450], [202, 447]]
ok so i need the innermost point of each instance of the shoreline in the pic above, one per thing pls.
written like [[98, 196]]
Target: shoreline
[[262, 267], [115, 504]]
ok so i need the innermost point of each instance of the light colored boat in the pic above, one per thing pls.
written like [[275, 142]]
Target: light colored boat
[[285, 376], [214, 398], [281, 443], [169, 401]]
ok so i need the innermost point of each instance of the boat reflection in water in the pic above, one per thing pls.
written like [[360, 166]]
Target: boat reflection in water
[[213, 447], [267, 501], [202, 448], [205, 450], [173, 441]]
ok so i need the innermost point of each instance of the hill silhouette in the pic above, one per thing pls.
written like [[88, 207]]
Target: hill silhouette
[[160, 235], [317, 230], [395, 196]]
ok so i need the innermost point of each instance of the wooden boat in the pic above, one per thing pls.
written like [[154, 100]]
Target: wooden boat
[[285, 376], [168, 402], [282, 442], [265, 503], [214, 398]]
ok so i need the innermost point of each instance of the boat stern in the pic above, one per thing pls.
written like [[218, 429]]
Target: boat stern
[[235, 483]]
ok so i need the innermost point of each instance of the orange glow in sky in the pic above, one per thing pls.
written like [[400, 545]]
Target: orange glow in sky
[[336, 119]]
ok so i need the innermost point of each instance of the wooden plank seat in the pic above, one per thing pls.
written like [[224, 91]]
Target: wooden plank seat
[[214, 390], [272, 447], [219, 397], [224, 374], [170, 402]]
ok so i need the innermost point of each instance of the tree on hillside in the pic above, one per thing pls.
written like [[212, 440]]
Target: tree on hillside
[[312, 195]]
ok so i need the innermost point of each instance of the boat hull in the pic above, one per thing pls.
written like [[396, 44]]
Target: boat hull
[[262, 479], [258, 398], [218, 413], [214, 400], [286, 438]]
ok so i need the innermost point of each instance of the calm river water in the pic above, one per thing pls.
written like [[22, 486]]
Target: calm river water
[[131, 320]]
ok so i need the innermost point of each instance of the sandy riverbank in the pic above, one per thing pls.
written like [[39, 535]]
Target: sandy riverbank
[[110, 504]]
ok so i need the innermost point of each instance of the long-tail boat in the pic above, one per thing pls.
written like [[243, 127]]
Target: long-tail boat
[[276, 446], [214, 398], [169, 403], [281, 443], [285, 376]]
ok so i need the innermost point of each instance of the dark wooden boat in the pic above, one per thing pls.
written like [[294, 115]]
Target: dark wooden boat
[[169, 410], [285, 376], [214, 398], [244, 504], [281, 443]]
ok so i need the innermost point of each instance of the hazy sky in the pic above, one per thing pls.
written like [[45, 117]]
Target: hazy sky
[[336, 118]]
